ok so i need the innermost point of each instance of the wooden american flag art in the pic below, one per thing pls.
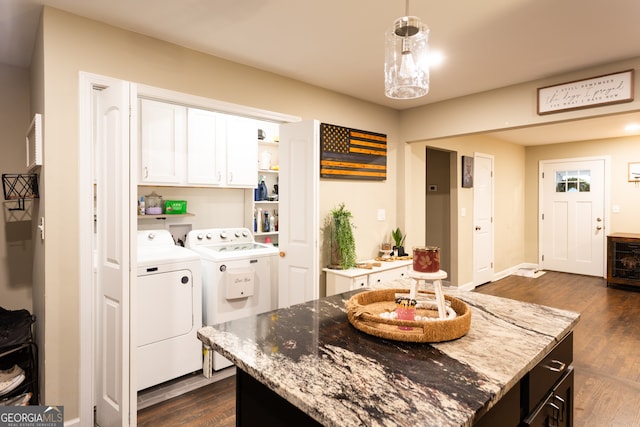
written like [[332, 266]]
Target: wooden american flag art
[[352, 153]]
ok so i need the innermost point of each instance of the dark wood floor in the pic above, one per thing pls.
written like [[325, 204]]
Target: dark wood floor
[[606, 356]]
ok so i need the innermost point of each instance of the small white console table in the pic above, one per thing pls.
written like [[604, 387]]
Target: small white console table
[[339, 281]]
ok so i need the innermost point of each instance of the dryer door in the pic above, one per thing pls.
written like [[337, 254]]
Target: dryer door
[[164, 306]]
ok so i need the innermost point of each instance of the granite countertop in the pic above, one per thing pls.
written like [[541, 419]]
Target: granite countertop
[[313, 357]]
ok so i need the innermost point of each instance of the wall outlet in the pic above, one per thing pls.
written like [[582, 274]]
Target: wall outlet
[[382, 215]]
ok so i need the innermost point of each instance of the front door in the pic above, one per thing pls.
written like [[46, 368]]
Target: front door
[[299, 223], [572, 217]]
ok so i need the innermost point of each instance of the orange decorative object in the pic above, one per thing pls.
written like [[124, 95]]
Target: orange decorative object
[[426, 259]]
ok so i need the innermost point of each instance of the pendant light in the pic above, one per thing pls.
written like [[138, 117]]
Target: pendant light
[[406, 64]]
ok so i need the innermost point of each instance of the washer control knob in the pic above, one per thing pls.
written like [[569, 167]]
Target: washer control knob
[[152, 236], [245, 234], [237, 234], [223, 234], [209, 236], [200, 236]]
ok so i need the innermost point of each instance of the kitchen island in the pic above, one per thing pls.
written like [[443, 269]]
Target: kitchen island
[[307, 365]]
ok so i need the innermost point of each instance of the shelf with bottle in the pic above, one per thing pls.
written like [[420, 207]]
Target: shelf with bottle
[[164, 216], [265, 221], [269, 171], [265, 233]]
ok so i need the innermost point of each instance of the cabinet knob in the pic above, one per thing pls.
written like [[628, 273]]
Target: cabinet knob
[[478, 228], [282, 254]]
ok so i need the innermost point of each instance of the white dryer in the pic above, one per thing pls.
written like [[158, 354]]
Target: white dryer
[[167, 308]]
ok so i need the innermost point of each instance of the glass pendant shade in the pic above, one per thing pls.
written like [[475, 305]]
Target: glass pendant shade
[[406, 64]]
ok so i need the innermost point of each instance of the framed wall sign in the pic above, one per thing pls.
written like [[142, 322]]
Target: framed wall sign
[[467, 172], [597, 91], [634, 172]]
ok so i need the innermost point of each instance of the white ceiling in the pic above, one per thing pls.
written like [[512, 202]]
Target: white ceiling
[[339, 44]]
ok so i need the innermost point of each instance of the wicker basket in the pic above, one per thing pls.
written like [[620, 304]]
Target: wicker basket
[[364, 310]]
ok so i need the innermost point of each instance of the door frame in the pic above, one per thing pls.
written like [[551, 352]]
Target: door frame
[[89, 82], [606, 202]]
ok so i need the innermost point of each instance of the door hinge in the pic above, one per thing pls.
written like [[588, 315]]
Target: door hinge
[[542, 175], [542, 257], [543, 217]]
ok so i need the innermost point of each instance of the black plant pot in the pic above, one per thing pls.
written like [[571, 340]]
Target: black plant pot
[[399, 251]]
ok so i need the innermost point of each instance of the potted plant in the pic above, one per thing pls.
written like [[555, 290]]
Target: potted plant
[[398, 238], [343, 245]]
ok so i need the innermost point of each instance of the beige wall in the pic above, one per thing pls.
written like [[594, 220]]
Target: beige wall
[[459, 125], [73, 44], [16, 251], [509, 182], [506, 108]]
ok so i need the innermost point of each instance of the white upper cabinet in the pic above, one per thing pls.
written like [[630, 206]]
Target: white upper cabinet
[[162, 142], [205, 147], [181, 145], [242, 152]]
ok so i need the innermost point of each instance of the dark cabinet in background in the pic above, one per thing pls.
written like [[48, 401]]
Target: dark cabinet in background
[[623, 259]]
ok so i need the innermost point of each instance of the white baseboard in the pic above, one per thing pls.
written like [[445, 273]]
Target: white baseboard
[[500, 275], [72, 423]]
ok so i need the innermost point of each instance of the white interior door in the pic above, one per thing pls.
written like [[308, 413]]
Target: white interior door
[[482, 218], [113, 213], [572, 218], [299, 211]]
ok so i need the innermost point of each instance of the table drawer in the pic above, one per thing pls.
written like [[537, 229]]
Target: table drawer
[[382, 277], [548, 372]]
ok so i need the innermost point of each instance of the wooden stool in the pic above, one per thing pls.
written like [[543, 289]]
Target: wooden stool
[[436, 280]]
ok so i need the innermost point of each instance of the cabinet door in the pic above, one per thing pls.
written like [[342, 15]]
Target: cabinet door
[[205, 147], [162, 142], [242, 152]]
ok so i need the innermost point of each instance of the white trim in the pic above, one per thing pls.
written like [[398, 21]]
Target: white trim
[[606, 186], [212, 104], [72, 423]]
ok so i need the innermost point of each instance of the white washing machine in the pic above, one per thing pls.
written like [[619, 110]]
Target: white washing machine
[[167, 309], [239, 276]]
